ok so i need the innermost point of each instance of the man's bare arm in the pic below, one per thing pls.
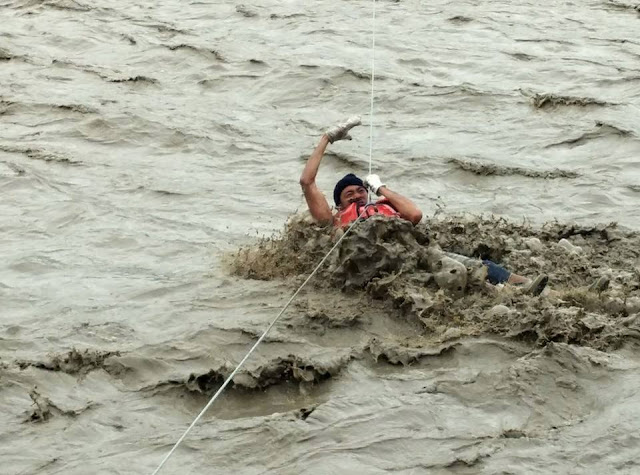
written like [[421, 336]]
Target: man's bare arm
[[404, 206], [318, 205]]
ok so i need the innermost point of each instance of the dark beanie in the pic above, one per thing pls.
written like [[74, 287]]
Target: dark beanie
[[347, 180]]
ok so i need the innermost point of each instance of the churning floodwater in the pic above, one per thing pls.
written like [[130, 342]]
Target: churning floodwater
[[143, 143]]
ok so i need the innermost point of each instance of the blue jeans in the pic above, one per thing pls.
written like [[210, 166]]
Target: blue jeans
[[497, 274]]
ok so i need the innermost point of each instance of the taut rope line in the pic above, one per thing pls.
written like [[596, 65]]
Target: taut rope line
[[230, 377], [373, 73], [295, 294]]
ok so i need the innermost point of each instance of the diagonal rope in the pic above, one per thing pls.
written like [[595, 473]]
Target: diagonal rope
[[230, 377], [295, 294], [373, 73]]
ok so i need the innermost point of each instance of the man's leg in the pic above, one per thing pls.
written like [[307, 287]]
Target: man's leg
[[497, 274]]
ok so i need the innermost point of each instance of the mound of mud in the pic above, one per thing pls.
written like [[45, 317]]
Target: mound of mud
[[271, 372], [542, 101], [492, 169], [407, 268], [73, 362], [295, 251], [44, 409], [290, 368]]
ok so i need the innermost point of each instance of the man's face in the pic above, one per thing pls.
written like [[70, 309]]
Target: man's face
[[353, 194]]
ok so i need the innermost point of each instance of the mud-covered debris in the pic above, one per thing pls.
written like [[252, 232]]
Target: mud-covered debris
[[541, 101], [73, 362], [305, 412], [43, 409], [5, 55], [460, 19], [399, 354], [392, 261], [322, 319], [139, 79], [246, 11], [279, 370], [482, 168]]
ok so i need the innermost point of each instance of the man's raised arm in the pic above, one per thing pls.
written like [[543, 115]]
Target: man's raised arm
[[318, 205]]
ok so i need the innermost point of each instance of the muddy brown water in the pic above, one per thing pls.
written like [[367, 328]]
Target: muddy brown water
[[143, 143]]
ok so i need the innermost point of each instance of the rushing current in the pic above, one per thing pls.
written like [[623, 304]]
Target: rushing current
[[150, 153]]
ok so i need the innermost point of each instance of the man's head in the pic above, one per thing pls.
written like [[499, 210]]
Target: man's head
[[350, 189]]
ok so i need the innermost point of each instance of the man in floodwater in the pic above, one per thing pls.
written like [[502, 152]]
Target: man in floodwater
[[350, 192], [352, 202]]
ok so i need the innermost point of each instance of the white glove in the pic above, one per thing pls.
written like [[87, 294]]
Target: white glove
[[341, 131], [374, 183]]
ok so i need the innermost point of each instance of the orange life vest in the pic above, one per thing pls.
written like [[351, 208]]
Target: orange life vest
[[348, 215]]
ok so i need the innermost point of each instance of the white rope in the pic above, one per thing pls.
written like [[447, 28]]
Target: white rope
[[262, 337], [373, 73], [230, 377]]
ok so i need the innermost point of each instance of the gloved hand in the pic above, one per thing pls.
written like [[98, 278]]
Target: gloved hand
[[341, 131], [374, 183]]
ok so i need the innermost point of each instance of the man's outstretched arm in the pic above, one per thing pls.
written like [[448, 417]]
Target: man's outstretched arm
[[404, 206], [318, 205]]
